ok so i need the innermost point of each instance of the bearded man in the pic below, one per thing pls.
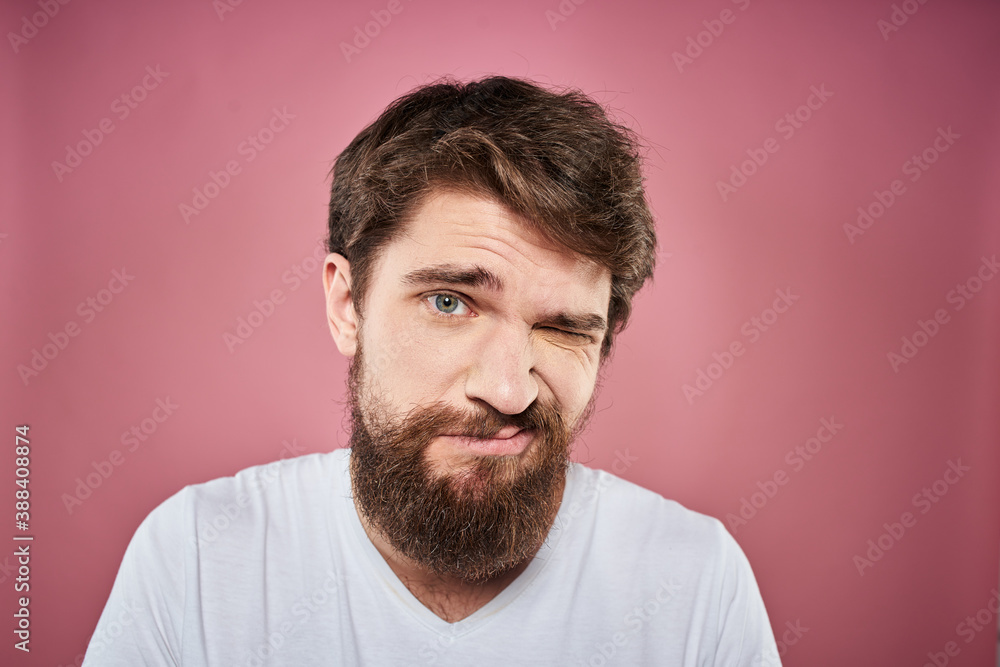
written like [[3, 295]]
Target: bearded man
[[486, 240]]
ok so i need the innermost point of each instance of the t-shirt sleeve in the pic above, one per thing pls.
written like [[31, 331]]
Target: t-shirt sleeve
[[745, 636], [142, 622]]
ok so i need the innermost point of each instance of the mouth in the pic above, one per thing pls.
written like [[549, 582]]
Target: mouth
[[509, 441]]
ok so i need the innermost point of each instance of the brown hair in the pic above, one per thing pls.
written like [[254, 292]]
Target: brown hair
[[554, 158]]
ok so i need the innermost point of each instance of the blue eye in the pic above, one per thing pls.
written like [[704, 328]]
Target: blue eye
[[447, 304]]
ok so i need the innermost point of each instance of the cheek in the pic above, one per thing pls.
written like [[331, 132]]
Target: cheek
[[582, 392], [570, 377], [406, 362]]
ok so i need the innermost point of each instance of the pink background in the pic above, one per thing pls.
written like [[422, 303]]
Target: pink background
[[721, 262]]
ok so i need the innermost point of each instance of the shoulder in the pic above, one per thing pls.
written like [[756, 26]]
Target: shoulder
[[625, 514], [295, 487], [284, 479], [657, 550], [608, 496]]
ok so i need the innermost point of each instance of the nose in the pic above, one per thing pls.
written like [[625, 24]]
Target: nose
[[502, 373]]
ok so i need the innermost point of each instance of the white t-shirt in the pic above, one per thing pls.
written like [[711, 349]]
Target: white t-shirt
[[273, 567]]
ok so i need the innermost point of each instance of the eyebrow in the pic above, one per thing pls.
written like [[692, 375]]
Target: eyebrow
[[592, 323], [478, 276], [453, 274]]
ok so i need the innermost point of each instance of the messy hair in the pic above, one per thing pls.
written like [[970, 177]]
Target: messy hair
[[554, 158]]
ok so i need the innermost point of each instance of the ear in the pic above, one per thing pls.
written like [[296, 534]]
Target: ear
[[340, 313]]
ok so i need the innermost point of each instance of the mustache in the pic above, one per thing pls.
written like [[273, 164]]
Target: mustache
[[484, 422], [488, 422]]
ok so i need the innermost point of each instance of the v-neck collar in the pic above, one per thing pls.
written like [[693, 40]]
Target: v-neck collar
[[397, 591]]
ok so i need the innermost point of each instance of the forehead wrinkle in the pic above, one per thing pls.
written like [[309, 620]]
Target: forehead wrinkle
[[565, 256], [494, 222], [499, 222]]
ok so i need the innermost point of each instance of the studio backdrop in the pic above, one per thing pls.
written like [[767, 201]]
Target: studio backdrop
[[815, 364]]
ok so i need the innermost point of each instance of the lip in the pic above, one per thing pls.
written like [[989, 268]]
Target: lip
[[510, 441]]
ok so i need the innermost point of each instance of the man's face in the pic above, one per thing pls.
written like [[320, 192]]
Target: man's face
[[475, 363]]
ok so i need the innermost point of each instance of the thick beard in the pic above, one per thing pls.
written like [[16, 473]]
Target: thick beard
[[474, 524]]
